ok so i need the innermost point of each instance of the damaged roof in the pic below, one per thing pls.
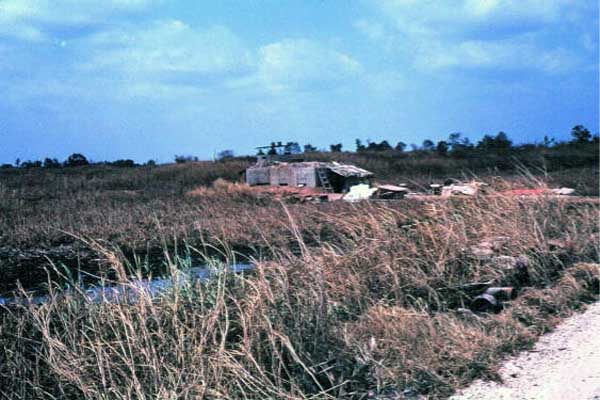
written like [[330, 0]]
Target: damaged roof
[[344, 170], [348, 170]]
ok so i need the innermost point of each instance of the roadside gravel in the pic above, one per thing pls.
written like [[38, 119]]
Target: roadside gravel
[[563, 365]]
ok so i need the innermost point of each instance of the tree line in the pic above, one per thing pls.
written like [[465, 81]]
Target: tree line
[[456, 145], [74, 160]]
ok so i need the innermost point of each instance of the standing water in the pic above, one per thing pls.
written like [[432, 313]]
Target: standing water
[[131, 290]]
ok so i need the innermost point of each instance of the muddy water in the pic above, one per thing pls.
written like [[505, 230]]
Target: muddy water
[[131, 291]]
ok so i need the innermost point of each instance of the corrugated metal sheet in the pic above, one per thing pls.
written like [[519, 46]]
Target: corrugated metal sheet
[[392, 188], [349, 170]]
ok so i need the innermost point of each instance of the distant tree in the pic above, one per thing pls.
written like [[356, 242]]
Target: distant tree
[[31, 164], [151, 163], [335, 148], [260, 152], [123, 163], [580, 134], [502, 141], [414, 147], [497, 144], [76, 160], [548, 142], [401, 146], [442, 148], [181, 159], [455, 139], [383, 146], [309, 148], [273, 150], [225, 154], [359, 146], [486, 143], [6, 166], [17, 162], [292, 148], [459, 146], [51, 163], [428, 145]]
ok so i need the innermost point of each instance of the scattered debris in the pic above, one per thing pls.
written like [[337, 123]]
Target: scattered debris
[[493, 299], [389, 192], [335, 178], [510, 263], [504, 263], [436, 189], [487, 248], [563, 191], [467, 189], [359, 192]]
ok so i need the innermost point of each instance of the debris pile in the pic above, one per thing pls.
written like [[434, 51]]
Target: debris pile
[[359, 192], [563, 191], [492, 299], [472, 188], [390, 192]]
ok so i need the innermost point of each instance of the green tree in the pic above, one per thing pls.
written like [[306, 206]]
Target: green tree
[[496, 144], [273, 149], [76, 160], [442, 148], [581, 134], [225, 154], [309, 148], [428, 145], [51, 163], [292, 148], [359, 146], [335, 148]]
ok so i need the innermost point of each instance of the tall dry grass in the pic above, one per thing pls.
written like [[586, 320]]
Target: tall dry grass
[[356, 300]]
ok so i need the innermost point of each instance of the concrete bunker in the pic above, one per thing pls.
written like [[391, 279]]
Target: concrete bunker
[[330, 176]]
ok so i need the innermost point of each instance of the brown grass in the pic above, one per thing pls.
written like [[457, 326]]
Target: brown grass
[[355, 298]]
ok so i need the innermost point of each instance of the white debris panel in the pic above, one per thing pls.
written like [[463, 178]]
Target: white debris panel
[[359, 192]]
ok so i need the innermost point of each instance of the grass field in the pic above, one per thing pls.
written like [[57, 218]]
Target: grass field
[[363, 300]]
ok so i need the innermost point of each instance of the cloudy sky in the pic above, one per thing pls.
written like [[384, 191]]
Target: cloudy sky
[[148, 79]]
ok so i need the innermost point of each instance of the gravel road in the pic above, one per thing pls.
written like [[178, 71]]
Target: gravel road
[[564, 365]]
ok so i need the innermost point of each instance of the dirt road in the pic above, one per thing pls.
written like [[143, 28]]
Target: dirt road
[[564, 365]]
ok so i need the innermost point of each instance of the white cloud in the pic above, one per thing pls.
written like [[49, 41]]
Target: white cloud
[[27, 19], [169, 60], [504, 34], [166, 48], [301, 64], [505, 54], [165, 59], [469, 17]]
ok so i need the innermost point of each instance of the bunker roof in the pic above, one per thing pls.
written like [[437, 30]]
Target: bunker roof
[[345, 170]]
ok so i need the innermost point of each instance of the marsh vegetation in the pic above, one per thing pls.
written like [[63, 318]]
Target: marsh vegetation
[[346, 300]]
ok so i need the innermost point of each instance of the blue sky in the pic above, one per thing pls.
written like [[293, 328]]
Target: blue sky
[[148, 79]]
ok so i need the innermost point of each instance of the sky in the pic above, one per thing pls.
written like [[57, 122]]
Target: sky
[[149, 79]]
